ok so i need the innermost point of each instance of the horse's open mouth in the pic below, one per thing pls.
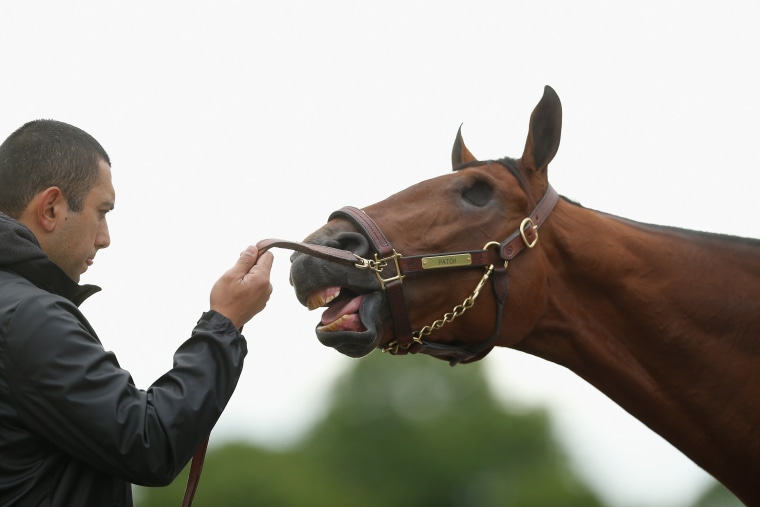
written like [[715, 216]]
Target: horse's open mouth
[[342, 312], [350, 322]]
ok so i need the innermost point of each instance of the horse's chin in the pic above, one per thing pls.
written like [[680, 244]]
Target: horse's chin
[[358, 343]]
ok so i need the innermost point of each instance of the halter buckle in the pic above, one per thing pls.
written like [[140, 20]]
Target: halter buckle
[[378, 265], [528, 227]]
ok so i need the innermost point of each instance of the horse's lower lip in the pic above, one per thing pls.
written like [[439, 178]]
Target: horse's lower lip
[[354, 343]]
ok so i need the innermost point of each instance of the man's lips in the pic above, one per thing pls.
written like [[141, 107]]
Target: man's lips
[[342, 314]]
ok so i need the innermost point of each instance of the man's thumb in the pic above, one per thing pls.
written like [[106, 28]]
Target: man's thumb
[[247, 259]]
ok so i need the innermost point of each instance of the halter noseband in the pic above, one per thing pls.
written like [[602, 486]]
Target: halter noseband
[[399, 267]]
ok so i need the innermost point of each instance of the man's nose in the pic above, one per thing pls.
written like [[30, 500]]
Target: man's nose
[[103, 239]]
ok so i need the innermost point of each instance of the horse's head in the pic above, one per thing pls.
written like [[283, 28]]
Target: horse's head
[[449, 237]]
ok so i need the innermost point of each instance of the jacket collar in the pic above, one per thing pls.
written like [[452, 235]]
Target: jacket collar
[[21, 253]]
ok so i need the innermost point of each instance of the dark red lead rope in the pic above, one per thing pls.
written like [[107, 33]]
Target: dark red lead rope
[[195, 474]]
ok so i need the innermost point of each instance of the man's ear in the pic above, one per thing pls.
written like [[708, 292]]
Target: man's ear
[[49, 207]]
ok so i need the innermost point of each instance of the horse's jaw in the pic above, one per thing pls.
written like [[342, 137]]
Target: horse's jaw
[[352, 302]]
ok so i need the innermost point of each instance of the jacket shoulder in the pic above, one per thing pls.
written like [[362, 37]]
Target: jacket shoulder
[[32, 316]]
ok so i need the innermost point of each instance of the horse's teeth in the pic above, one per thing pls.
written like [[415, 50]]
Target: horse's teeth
[[322, 298], [314, 302], [333, 326]]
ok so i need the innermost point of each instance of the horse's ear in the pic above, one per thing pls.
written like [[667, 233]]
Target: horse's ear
[[459, 153], [544, 133]]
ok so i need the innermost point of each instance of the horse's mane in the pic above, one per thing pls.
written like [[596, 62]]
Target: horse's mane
[[673, 229]]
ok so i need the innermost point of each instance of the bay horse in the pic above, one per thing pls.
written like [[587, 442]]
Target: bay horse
[[664, 321]]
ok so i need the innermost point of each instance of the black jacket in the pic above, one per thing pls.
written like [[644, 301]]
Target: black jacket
[[74, 429]]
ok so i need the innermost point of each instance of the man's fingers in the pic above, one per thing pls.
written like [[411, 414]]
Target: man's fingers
[[265, 262], [247, 260], [243, 291]]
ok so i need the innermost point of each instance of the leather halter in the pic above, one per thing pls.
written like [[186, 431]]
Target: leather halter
[[399, 267]]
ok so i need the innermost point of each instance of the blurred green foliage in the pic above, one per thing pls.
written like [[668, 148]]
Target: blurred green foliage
[[401, 431], [718, 496]]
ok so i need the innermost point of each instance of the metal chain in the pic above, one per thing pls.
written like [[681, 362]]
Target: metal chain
[[456, 312]]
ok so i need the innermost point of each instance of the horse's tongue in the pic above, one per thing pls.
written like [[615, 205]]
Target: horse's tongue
[[340, 308]]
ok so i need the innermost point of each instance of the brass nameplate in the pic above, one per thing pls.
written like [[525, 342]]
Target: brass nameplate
[[446, 261]]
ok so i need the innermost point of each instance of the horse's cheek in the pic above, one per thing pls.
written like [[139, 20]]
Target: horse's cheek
[[526, 302]]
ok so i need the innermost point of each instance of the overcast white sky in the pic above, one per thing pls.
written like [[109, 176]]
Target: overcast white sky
[[229, 122]]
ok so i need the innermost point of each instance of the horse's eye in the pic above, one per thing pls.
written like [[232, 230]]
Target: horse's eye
[[478, 194]]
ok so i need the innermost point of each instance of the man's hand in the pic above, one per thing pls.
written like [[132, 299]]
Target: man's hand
[[243, 291]]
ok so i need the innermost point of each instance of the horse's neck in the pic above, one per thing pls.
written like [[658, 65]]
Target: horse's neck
[[666, 323]]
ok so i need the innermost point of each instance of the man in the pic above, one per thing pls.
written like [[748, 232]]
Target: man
[[74, 429]]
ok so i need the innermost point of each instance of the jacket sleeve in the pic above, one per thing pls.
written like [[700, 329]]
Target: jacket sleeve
[[66, 387]]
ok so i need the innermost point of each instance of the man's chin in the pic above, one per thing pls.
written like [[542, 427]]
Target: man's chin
[[77, 275]]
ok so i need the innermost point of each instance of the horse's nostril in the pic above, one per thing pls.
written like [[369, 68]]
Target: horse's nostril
[[351, 241]]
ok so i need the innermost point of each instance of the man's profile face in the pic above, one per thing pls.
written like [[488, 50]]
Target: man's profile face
[[81, 235]]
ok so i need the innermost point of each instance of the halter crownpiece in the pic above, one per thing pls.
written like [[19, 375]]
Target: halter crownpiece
[[399, 266]]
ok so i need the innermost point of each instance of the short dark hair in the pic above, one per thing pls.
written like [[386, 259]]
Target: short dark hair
[[48, 153]]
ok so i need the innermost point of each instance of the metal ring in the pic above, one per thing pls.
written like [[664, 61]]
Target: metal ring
[[498, 247]]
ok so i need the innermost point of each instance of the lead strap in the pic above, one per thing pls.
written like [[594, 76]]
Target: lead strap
[[196, 467]]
